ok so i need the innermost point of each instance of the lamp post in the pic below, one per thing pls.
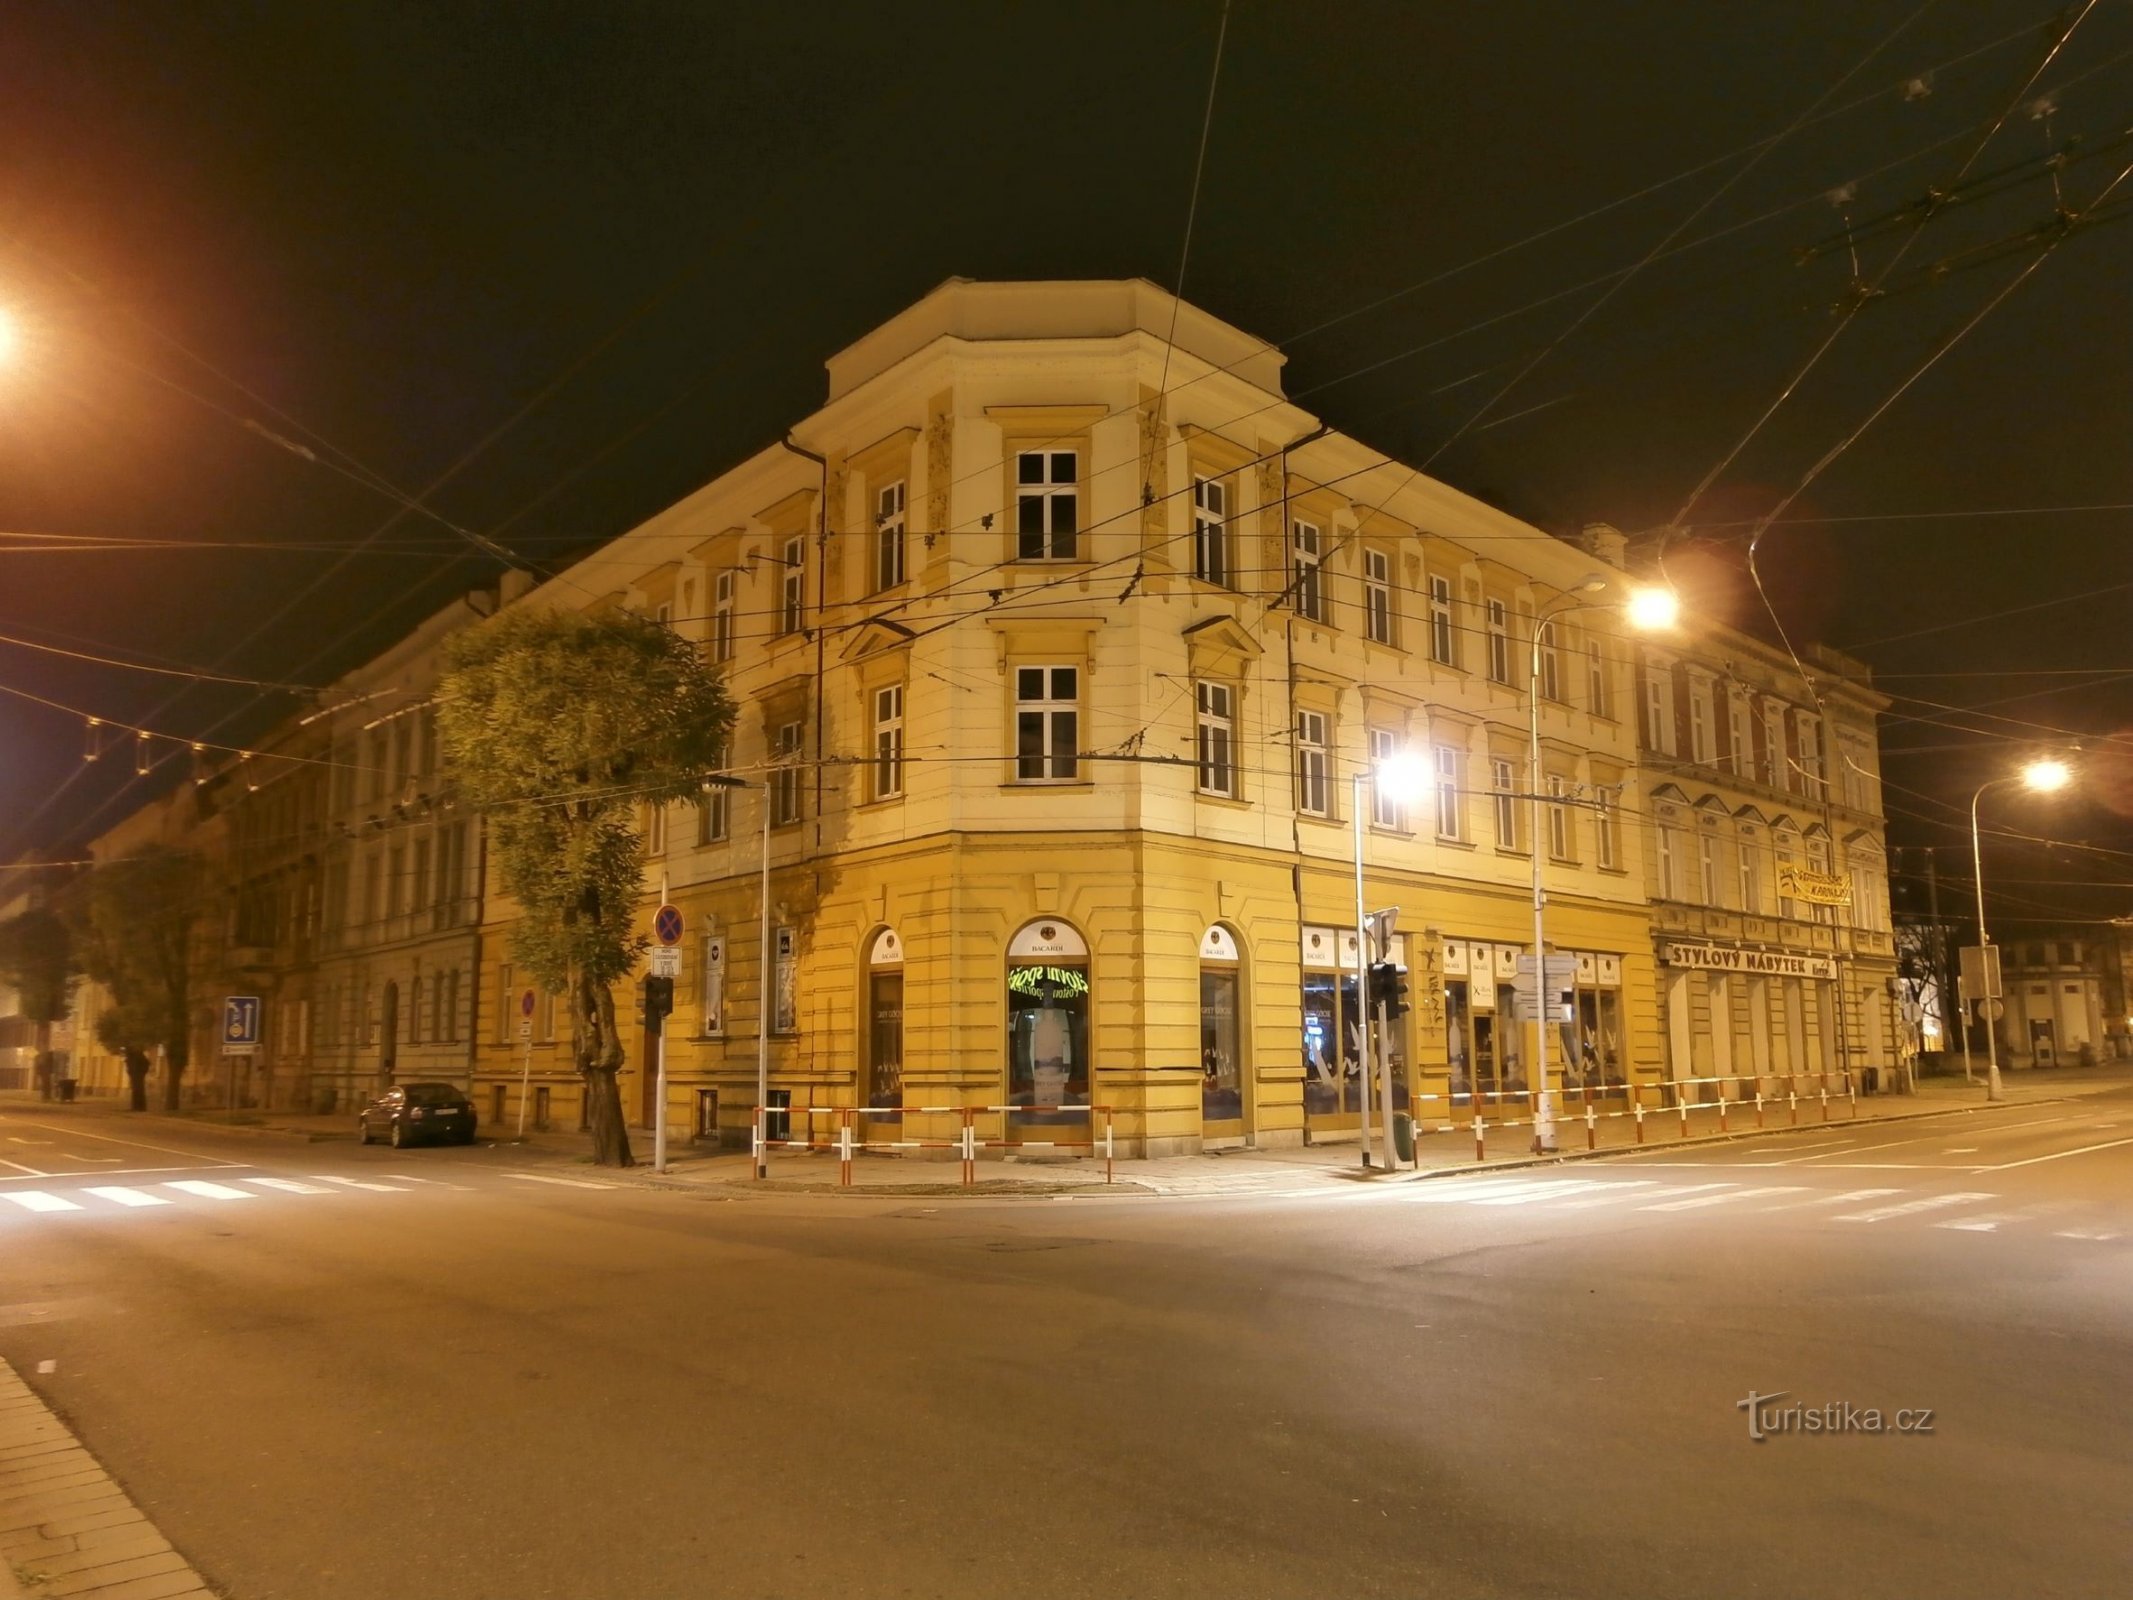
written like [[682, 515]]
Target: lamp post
[[1644, 609], [1397, 778], [2040, 777]]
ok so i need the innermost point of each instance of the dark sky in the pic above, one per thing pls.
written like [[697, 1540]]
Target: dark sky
[[582, 258]]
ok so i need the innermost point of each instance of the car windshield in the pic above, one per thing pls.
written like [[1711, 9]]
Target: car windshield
[[433, 1094]]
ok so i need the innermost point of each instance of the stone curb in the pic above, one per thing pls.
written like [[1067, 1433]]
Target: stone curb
[[66, 1523]]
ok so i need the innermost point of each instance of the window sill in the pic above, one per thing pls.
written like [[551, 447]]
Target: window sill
[[1452, 841], [1228, 802], [1046, 785]]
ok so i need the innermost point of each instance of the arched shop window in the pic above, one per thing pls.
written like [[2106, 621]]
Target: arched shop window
[[1047, 1017], [885, 1020], [1221, 1035]]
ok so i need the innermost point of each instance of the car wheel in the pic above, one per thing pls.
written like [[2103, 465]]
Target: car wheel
[[399, 1137], [362, 1130], [467, 1137]]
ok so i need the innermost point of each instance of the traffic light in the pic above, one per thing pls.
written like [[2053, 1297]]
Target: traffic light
[[1388, 989], [658, 1003]]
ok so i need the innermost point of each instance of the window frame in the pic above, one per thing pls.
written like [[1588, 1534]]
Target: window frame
[[723, 587], [886, 722], [1388, 813], [1047, 492], [792, 585], [1450, 764], [1378, 615], [1496, 616], [1307, 570], [890, 521], [1314, 753], [1215, 738], [1210, 531], [1049, 714], [1562, 838], [1503, 785], [1443, 625], [787, 805]]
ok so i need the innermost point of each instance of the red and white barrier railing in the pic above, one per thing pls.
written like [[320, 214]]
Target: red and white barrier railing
[[843, 1138], [1678, 1095]]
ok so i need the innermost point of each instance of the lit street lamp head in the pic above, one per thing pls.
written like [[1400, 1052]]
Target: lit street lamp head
[[2047, 775], [1653, 608], [1400, 776]]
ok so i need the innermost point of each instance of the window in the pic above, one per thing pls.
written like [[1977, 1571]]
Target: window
[[1559, 817], [1786, 844], [1505, 776], [1443, 642], [889, 536], [1210, 530], [1811, 753], [1700, 724], [1551, 667], [1818, 864], [889, 742], [426, 742], [1385, 808], [1659, 709], [1306, 588], [1751, 880], [420, 896], [714, 810], [1599, 686], [1047, 724], [1707, 869], [379, 754], [1217, 731], [1313, 768], [785, 777], [1377, 596], [722, 617], [1737, 760], [711, 995], [1499, 620], [449, 909], [792, 593], [1606, 827], [1777, 772], [785, 1015], [655, 830], [1451, 815], [1047, 493], [396, 881], [1669, 868], [448, 1009]]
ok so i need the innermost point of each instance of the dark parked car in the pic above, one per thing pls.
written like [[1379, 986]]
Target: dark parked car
[[417, 1111]]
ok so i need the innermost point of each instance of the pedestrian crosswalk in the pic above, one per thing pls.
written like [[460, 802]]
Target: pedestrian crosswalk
[[1957, 1211], [226, 1188]]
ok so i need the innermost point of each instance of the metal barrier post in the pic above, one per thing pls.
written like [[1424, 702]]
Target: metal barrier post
[[1107, 1144], [1481, 1146], [756, 1134], [1825, 1097], [1792, 1098], [1758, 1102], [1851, 1087], [1592, 1124], [1681, 1104], [844, 1149], [970, 1149], [1636, 1101], [1722, 1105]]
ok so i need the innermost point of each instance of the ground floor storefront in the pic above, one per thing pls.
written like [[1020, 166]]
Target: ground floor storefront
[[1738, 1017], [1184, 995]]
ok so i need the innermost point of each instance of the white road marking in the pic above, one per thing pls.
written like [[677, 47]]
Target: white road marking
[[358, 1183], [1834, 1199], [1560, 1190], [1446, 1193], [1960, 1150], [11, 1139], [1726, 1199], [38, 1200], [27, 1172], [1682, 1188], [1615, 1191], [1984, 1222], [120, 1195], [2057, 1155], [288, 1185], [568, 1183], [2097, 1234], [409, 1177], [208, 1191], [136, 1144], [1907, 1208]]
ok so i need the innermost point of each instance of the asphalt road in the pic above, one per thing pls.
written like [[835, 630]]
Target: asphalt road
[[336, 1372]]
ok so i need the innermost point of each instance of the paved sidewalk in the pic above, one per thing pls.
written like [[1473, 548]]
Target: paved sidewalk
[[1439, 1149], [65, 1527]]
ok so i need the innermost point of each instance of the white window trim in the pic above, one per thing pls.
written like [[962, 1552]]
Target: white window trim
[[1377, 597], [1057, 715], [889, 552], [888, 742], [1210, 531], [1048, 490], [1307, 570], [1314, 765], [1215, 738]]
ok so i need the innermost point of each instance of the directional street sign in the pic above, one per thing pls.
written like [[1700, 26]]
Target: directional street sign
[[240, 1024]]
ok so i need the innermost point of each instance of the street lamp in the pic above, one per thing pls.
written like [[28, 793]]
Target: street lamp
[[2042, 776], [1646, 609], [1399, 778]]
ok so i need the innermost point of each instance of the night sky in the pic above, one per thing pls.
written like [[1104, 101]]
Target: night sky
[[553, 266]]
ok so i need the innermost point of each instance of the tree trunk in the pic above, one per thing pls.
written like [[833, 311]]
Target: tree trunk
[[599, 1059], [173, 1078], [137, 1079], [42, 1070]]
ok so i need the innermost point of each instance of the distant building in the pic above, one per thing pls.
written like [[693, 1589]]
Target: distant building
[[2065, 1000]]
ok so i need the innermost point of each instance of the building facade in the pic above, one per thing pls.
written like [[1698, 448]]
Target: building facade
[[1766, 863], [1055, 684], [2059, 998]]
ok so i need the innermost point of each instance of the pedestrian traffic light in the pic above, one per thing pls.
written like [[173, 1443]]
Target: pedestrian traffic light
[[658, 1003]]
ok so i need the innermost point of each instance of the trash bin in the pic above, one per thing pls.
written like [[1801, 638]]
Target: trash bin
[[1403, 1137], [66, 1091]]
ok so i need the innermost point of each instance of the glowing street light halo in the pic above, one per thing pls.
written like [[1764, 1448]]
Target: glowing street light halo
[[2046, 775], [1401, 776], [1652, 607]]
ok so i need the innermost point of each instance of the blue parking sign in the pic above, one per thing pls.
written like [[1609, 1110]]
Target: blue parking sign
[[240, 1024]]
